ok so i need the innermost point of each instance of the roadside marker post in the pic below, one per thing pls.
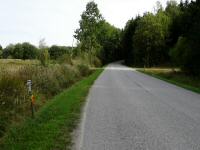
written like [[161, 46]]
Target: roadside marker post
[[32, 98]]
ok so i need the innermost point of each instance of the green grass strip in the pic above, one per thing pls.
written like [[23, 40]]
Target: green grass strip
[[54, 123], [173, 81]]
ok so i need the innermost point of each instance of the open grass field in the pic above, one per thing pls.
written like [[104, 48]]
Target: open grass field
[[54, 123], [174, 76]]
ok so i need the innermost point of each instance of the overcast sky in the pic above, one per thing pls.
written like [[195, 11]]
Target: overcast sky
[[56, 20]]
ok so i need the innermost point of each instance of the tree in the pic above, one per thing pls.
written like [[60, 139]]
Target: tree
[[42, 44], [109, 38], [43, 53], [187, 50], [86, 34], [173, 11], [29, 51], [1, 51], [44, 57], [158, 7], [149, 39], [20, 51], [8, 51], [184, 56], [57, 51], [127, 40]]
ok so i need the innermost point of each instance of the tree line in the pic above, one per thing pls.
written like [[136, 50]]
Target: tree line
[[28, 51], [96, 37], [169, 36]]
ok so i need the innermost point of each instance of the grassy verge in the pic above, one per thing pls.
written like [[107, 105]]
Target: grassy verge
[[177, 78], [54, 123]]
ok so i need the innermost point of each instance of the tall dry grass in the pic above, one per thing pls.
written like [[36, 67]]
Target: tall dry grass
[[46, 82]]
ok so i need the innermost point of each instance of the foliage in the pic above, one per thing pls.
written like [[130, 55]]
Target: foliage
[[89, 23], [44, 57], [84, 69], [173, 11], [42, 44], [97, 37], [165, 36], [127, 40], [186, 52], [20, 51], [65, 58], [56, 52], [54, 122], [1, 51], [149, 39], [185, 56], [8, 51], [144, 39], [109, 38], [47, 82]]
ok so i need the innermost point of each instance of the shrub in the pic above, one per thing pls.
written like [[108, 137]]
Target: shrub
[[84, 69], [96, 62], [65, 59], [57, 51]]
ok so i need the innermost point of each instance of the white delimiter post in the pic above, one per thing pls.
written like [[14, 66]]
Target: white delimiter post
[[29, 84]]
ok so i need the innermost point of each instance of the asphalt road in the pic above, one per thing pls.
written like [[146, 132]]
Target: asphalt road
[[128, 110]]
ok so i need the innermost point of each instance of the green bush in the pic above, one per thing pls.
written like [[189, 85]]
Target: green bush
[[84, 69]]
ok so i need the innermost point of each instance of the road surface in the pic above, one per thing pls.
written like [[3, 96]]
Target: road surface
[[128, 110]]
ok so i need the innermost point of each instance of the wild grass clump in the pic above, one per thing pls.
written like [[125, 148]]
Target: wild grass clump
[[65, 59], [13, 99], [84, 70]]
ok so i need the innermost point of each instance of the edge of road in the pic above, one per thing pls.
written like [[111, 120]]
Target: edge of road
[[78, 133]]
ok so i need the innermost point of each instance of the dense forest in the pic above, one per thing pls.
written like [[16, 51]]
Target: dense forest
[[170, 36]]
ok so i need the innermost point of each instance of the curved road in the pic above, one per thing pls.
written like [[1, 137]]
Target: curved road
[[128, 110]]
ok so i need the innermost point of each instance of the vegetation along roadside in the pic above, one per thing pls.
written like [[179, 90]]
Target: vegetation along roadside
[[175, 77], [54, 123]]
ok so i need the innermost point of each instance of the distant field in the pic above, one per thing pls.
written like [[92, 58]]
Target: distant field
[[174, 76], [18, 62]]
